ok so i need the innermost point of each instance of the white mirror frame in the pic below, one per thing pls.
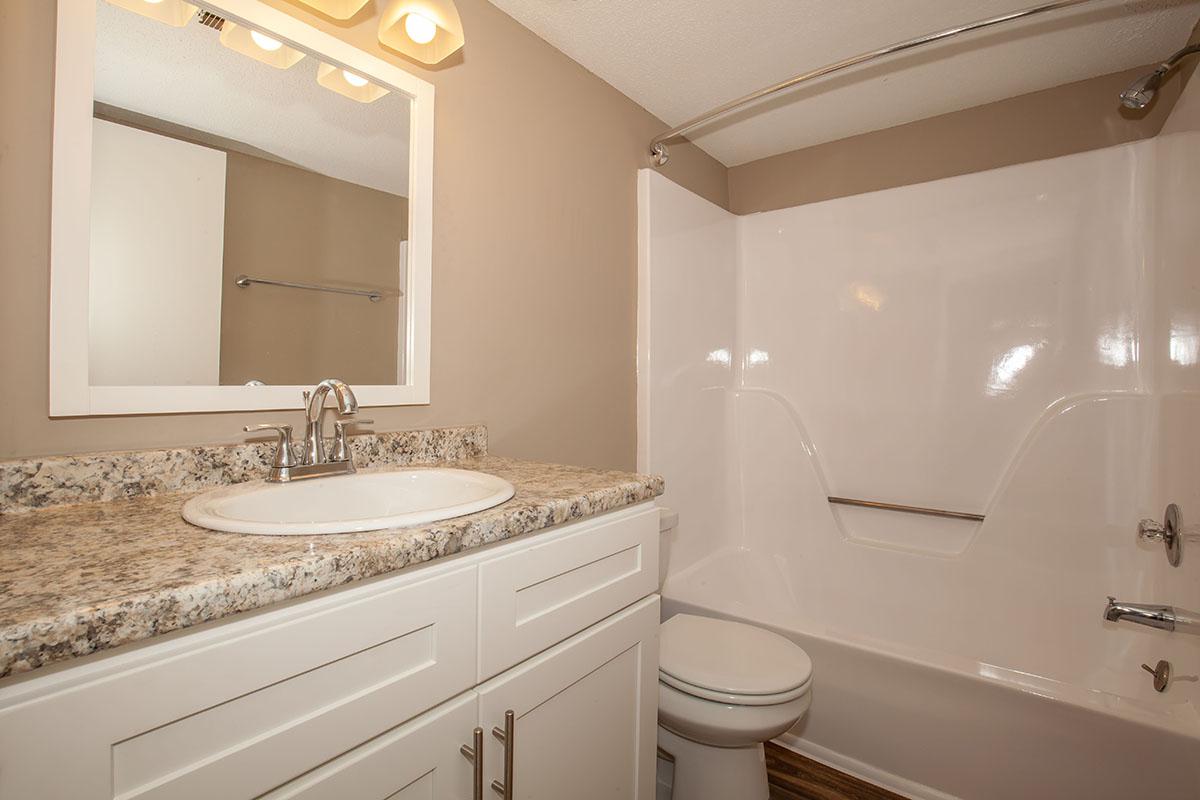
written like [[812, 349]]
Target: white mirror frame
[[71, 393]]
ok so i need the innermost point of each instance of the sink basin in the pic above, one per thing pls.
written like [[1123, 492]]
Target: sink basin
[[365, 501]]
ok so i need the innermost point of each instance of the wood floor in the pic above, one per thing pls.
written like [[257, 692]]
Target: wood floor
[[794, 777]]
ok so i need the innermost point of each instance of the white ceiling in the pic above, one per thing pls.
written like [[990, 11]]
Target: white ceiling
[[678, 58], [185, 76]]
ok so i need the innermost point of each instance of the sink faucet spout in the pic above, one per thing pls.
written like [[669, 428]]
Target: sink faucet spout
[[314, 432]]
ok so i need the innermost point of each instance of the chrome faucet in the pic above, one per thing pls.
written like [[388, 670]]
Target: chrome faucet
[[313, 461], [314, 430], [1167, 618]]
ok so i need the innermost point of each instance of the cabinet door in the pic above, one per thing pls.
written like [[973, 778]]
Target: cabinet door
[[585, 713], [420, 759], [242, 708]]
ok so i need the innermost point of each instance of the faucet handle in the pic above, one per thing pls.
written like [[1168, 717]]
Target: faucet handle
[[1169, 532], [341, 448], [1150, 530], [284, 456]]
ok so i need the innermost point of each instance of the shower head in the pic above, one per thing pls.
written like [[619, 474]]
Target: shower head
[[1141, 92]]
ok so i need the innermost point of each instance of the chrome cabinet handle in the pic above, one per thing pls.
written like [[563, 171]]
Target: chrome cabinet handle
[[284, 456], [505, 788], [341, 448], [474, 754]]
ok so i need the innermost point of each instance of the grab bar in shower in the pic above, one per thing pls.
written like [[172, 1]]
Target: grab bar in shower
[[929, 512]]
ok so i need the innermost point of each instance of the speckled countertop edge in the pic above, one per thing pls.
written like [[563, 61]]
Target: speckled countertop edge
[[84, 578], [27, 484]]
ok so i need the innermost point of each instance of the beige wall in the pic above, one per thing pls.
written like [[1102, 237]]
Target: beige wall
[[535, 230], [1066, 119], [534, 227], [288, 223]]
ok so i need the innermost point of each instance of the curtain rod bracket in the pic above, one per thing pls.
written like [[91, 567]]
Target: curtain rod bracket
[[660, 154]]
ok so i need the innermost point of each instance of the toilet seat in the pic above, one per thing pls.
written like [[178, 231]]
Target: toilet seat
[[735, 699], [731, 662]]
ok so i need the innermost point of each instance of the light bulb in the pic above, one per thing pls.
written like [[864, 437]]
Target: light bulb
[[265, 42], [420, 29], [352, 79], [152, 2]]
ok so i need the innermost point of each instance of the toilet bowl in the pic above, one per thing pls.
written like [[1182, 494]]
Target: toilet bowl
[[725, 688]]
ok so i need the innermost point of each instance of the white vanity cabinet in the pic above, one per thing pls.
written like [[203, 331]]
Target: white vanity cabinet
[[420, 759], [583, 729], [585, 713], [371, 691]]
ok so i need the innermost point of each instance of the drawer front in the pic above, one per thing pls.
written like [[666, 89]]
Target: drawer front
[[551, 590], [259, 703], [420, 759]]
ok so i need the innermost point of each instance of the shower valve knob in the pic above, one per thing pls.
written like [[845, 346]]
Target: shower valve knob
[[1169, 532], [1150, 531]]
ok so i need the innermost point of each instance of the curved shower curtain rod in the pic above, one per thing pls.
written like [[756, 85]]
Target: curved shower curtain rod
[[658, 147]]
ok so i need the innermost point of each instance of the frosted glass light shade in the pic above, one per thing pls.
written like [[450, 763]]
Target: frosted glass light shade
[[334, 78], [175, 13], [338, 9], [447, 39], [238, 38]]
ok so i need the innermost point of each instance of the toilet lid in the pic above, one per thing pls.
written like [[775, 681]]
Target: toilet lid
[[730, 657]]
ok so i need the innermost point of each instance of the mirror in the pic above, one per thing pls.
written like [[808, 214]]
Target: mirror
[[257, 214]]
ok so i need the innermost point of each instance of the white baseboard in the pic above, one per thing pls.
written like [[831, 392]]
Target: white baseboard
[[865, 772]]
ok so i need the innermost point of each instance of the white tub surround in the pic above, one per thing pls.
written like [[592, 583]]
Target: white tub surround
[[1021, 344]]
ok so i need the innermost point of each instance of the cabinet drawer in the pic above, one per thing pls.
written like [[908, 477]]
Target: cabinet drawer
[[420, 759], [552, 589], [237, 711]]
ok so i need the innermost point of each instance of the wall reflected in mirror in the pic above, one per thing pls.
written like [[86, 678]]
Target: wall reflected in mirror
[[221, 152]]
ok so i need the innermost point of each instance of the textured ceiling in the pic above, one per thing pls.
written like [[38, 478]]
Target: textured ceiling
[[185, 76], [678, 58]]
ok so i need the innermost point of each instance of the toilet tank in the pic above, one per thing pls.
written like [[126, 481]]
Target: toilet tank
[[667, 522]]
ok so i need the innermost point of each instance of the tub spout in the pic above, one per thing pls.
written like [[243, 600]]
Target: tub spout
[[1167, 618]]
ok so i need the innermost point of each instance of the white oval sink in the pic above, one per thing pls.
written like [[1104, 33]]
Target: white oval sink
[[365, 501]]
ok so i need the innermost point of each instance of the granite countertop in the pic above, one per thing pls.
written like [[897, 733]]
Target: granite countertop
[[76, 579]]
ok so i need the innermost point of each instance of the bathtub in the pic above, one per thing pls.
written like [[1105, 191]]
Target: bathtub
[[925, 726], [1021, 344]]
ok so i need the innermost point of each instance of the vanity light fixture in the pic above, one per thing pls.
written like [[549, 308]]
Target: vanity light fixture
[[420, 28], [426, 30], [349, 84], [259, 46], [338, 9], [265, 42], [175, 13]]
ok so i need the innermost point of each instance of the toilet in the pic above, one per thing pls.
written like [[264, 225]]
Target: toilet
[[724, 688]]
